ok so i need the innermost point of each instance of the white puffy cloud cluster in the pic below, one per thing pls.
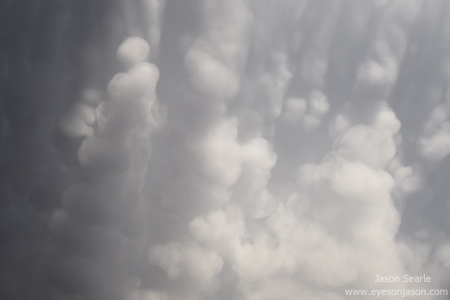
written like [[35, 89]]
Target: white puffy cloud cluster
[[101, 226], [214, 58], [78, 121], [380, 68], [332, 226], [435, 141], [198, 127], [308, 114], [235, 173], [336, 227]]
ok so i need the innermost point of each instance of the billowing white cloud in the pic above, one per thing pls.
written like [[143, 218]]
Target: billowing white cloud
[[108, 215]]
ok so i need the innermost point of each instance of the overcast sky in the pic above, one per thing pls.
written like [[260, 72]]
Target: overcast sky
[[223, 149]]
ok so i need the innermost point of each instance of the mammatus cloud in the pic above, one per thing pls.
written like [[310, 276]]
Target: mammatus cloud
[[226, 149], [310, 113], [435, 142], [101, 224]]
